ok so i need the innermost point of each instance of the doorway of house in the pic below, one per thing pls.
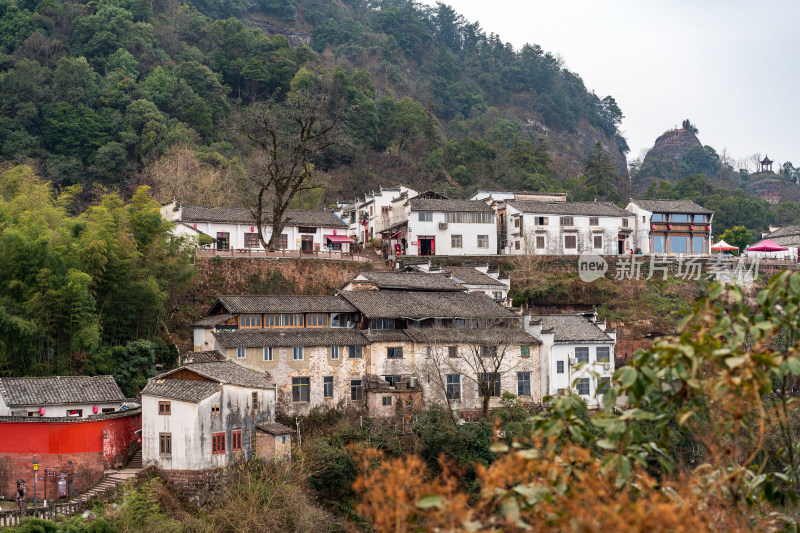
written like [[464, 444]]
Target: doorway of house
[[621, 244], [306, 243], [427, 245]]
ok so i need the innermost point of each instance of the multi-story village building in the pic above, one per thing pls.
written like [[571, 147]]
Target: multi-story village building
[[207, 415], [367, 217], [564, 228], [377, 343], [671, 227], [577, 354], [436, 225], [234, 229]]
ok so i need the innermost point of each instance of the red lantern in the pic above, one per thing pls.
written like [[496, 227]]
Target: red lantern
[[252, 229], [95, 409], [669, 226], [691, 226], [194, 226], [652, 226], [41, 411]]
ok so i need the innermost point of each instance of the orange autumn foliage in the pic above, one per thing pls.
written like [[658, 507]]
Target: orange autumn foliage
[[544, 490]]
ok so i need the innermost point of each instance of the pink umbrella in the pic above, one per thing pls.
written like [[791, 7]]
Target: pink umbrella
[[767, 246]]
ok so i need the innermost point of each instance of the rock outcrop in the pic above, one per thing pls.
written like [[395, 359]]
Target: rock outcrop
[[664, 158], [773, 188]]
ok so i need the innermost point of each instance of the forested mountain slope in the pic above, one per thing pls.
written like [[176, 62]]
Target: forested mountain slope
[[97, 93]]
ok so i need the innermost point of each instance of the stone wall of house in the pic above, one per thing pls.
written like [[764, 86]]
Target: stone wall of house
[[198, 486]]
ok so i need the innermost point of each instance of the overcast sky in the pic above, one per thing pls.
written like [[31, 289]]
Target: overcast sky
[[730, 66]]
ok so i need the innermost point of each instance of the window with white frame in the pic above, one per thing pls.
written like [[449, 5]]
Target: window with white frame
[[267, 353], [583, 386], [603, 384], [523, 383], [559, 367], [327, 387], [334, 352], [455, 241], [582, 354], [241, 352], [603, 354], [425, 217], [483, 241], [297, 353]]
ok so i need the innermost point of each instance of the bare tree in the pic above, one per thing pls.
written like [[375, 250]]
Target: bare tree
[[482, 356], [286, 137], [180, 175]]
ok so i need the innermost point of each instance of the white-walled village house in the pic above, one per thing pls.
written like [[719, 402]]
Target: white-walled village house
[[436, 225], [367, 217], [576, 349], [208, 415], [473, 278], [671, 227], [234, 228], [564, 228], [60, 396]]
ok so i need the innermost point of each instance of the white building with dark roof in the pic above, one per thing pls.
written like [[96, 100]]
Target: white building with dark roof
[[60, 396], [204, 416], [564, 228], [478, 279], [234, 228], [671, 227], [577, 354]]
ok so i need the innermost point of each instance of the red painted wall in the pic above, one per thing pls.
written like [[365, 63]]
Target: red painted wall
[[78, 446]]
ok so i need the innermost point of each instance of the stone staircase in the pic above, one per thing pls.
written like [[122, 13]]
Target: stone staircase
[[136, 461], [112, 479]]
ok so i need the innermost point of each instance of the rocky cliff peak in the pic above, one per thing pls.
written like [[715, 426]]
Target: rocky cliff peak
[[674, 144]]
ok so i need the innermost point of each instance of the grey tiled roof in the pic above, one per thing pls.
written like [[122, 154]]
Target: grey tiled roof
[[60, 390], [572, 328], [787, 240], [211, 321], [387, 335], [188, 390], [785, 231], [471, 276], [491, 336], [226, 372], [425, 204], [672, 206], [418, 305], [294, 217], [274, 428], [203, 357], [412, 281], [256, 338], [590, 209], [285, 304]]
